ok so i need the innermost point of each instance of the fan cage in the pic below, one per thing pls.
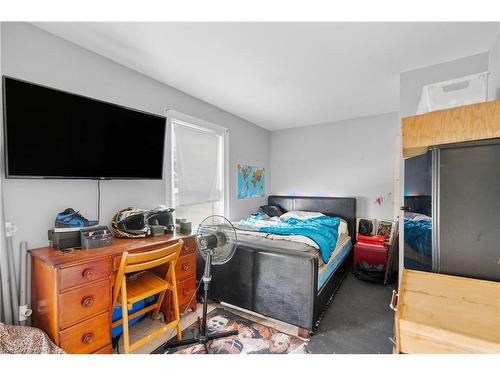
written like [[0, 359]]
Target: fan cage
[[226, 238]]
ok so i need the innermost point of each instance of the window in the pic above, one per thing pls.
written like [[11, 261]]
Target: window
[[198, 168]]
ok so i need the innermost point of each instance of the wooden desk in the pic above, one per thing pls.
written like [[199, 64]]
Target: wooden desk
[[71, 292]]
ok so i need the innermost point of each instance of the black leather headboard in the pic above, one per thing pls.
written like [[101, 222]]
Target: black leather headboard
[[420, 204], [331, 206]]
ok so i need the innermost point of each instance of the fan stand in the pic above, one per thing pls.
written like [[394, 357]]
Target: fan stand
[[203, 337]]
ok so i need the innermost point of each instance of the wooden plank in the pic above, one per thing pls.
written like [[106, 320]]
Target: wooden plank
[[465, 317], [414, 151], [468, 123], [422, 339], [447, 314]]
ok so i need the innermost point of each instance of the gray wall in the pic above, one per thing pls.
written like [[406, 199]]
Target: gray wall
[[35, 55], [411, 82], [346, 158], [494, 67]]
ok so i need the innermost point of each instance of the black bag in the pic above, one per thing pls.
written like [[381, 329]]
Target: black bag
[[370, 272], [272, 210], [365, 227]]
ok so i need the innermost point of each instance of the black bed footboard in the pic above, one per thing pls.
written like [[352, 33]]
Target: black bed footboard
[[274, 284], [278, 282]]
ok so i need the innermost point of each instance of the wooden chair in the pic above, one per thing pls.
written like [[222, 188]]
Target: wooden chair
[[144, 284]]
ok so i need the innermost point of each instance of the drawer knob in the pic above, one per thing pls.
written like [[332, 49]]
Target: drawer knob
[[87, 272], [87, 302], [88, 338], [185, 266], [185, 292]]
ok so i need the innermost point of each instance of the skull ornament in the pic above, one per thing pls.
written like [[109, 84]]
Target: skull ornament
[[217, 323], [279, 343]]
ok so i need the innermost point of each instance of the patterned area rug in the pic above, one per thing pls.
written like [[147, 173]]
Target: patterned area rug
[[252, 338]]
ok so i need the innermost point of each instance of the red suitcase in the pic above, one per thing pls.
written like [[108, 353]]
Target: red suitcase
[[370, 253], [377, 239]]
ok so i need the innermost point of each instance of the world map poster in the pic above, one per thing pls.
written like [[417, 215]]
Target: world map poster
[[251, 181]]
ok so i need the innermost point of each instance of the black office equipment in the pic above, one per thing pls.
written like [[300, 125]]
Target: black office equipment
[[64, 240], [54, 134]]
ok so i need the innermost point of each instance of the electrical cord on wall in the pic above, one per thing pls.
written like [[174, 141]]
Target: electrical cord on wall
[[98, 201]]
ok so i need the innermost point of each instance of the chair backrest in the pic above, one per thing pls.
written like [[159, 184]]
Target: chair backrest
[[142, 261]]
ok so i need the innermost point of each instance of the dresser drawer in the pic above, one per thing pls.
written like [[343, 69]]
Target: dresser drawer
[[87, 337], [189, 246], [106, 350], [83, 273], [185, 267], [185, 290], [80, 303]]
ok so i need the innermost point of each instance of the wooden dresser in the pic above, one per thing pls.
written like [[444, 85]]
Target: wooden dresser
[[71, 292], [439, 313]]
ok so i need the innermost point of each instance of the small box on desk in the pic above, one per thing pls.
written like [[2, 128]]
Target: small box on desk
[[64, 240], [95, 237]]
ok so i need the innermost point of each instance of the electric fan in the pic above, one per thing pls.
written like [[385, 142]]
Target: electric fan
[[216, 238]]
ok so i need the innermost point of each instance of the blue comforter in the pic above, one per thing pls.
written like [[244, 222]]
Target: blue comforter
[[323, 230], [418, 234]]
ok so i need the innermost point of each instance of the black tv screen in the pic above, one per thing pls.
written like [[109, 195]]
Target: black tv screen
[[54, 134]]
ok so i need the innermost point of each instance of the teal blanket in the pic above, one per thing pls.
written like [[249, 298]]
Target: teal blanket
[[418, 234], [323, 230]]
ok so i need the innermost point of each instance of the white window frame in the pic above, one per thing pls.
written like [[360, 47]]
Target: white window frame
[[203, 125]]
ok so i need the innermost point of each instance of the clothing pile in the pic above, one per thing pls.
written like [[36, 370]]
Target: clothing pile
[[25, 340]]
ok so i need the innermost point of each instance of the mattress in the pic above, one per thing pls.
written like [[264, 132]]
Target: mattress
[[342, 249]]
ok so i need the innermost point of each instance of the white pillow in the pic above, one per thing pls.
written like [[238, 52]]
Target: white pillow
[[343, 227], [300, 215], [415, 216]]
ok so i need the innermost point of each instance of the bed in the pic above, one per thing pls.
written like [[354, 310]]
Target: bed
[[282, 279], [418, 241]]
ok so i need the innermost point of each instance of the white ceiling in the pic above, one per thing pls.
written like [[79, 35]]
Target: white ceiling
[[282, 75]]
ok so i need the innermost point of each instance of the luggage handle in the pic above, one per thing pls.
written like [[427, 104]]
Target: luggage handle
[[394, 301]]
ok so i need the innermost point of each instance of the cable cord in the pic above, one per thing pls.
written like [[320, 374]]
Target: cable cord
[[98, 201], [186, 309]]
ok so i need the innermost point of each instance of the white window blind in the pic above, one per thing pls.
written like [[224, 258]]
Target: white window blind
[[197, 161]]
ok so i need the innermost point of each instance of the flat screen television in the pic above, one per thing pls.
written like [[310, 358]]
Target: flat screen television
[[50, 133]]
